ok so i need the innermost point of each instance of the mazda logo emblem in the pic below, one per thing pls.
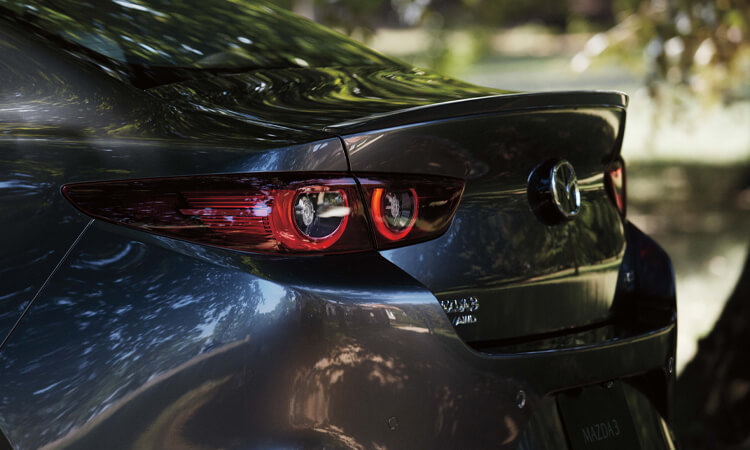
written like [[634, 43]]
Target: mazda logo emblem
[[565, 191], [553, 192]]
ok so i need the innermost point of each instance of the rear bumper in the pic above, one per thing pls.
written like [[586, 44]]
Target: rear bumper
[[150, 342]]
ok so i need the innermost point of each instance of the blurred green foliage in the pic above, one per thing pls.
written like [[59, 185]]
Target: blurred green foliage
[[699, 47]]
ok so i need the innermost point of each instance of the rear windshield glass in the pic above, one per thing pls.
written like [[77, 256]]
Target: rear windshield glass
[[193, 34]]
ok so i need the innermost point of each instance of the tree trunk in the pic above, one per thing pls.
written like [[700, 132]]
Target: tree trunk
[[713, 392]]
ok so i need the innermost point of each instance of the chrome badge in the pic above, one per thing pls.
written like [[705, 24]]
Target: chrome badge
[[461, 311], [553, 192], [565, 189]]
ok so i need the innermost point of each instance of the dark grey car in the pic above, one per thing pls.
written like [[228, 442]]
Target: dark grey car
[[227, 227]]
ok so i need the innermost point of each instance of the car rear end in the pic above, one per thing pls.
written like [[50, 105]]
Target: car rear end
[[361, 257], [498, 329], [576, 312]]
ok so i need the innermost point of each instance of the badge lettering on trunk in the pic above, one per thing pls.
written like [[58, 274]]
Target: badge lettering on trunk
[[461, 311]]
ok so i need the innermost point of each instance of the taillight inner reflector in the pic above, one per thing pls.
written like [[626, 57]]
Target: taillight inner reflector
[[315, 217], [394, 213]]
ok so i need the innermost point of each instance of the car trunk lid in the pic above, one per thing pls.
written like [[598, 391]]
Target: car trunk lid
[[500, 272]]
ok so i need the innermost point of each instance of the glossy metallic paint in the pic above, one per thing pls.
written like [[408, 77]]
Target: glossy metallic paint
[[531, 277], [140, 341], [178, 344]]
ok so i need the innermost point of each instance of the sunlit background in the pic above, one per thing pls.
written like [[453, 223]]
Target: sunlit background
[[684, 64]]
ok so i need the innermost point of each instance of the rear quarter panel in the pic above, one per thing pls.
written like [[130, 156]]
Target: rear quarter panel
[[63, 120]]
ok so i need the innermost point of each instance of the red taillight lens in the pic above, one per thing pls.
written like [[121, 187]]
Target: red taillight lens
[[410, 209], [316, 217], [270, 213], [276, 213], [394, 213], [614, 181]]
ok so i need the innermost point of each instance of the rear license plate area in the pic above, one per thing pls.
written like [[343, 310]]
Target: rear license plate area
[[597, 417]]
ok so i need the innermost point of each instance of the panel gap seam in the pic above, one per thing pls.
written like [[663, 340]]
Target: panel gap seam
[[46, 281]]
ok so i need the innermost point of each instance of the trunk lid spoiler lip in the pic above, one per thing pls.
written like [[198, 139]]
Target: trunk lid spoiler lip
[[482, 105]]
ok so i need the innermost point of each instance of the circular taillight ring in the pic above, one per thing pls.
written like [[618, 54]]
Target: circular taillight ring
[[287, 230], [316, 190], [378, 214]]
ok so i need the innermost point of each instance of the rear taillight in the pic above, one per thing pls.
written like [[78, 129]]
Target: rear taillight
[[410, 209], [614, 181], [275, 213]]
